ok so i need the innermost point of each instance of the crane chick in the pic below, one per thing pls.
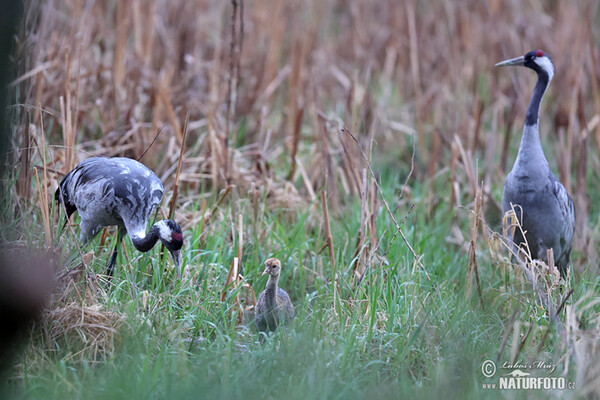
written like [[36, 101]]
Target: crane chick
[[122, 192], [542, 204], [274, 306]]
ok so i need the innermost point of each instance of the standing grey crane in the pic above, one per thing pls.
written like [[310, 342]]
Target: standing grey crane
[[274, 306], [541, 202], [123, 192]]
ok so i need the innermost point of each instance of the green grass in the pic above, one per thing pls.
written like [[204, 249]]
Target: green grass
[[395, 335]]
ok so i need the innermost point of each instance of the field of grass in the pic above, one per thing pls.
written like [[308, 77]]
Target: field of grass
[[363, 143]]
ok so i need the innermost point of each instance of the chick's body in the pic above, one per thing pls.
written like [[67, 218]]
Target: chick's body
[[274, 306]]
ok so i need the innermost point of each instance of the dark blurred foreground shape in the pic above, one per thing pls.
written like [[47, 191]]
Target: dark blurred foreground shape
[[26, 282], [25, 277]]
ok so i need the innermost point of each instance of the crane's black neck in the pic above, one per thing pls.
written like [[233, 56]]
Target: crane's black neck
[[271, 292], [147, 242], [536, 99]]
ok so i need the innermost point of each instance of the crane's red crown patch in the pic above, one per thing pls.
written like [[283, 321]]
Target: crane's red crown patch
[[539, 53]]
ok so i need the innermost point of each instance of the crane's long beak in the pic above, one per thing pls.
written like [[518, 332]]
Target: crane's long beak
[[512, 61], [266, 271], [177, 259]]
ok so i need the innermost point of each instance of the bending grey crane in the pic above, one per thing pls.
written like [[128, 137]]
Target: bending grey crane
[[541, 202], [274, 306], [123, 192]]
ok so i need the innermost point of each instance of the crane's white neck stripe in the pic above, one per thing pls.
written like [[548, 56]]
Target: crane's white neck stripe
[[546, 65], [164, 230]]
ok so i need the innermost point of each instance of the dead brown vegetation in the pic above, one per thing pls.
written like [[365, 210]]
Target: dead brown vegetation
[[269, 87]]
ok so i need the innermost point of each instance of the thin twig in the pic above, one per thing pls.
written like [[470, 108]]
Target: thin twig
[[506, 334], [387, 207], [522, 344], [156, 137]]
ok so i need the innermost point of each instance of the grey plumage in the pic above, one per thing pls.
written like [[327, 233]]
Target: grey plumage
[[274, 306], [122, 192], [541, 202]]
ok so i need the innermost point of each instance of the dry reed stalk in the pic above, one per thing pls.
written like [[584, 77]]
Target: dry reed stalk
[[165, 98], [359, 249], [415, 65], [39, 83], [24, 180], [232, 85], [150, 35], [468, 165], [298, 114], [67, 123], [295, 103], [240, 236], [118, 67], [454, 185], [203, 225], [103, 238], [373, 218], [331, 186], [329, 237], [473, 266], [181, 152], [240, 44], [433, 162], [306, 179], [76, 111], [214, 151], [231, 278], [138, 26], [232, 284], [276, 26], [42, 197], [248, 298], [43, 190], [476, 114], [595, 91]]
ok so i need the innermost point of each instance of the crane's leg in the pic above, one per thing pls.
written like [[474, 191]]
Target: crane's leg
[[113, 258]]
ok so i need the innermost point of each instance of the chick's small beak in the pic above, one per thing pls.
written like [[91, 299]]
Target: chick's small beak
[[512, 61], [266, 271]]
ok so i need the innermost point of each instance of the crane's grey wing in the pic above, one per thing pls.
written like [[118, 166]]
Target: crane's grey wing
[[138, 190], [566, 220], [259, 313], [284, 302], [260, 303], [111, 191]]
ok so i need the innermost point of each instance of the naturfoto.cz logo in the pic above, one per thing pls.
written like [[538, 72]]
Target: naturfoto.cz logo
[[521, 380]]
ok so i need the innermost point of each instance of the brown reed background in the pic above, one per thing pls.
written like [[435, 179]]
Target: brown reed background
[[268, 85]]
